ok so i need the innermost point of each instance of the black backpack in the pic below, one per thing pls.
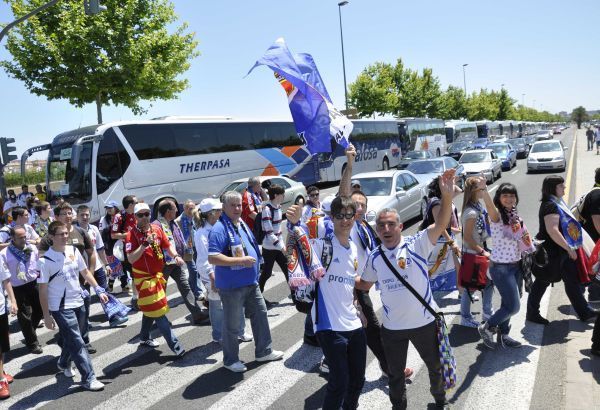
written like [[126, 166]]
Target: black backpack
[[257, 229]]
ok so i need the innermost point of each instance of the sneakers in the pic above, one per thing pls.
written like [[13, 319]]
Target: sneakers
[[4, 389], [237, 367], [507, 341], [469, 322], [134, 305], [94, 385], [538, 319], [110, 288], [127, 289], [245, 337], [178, 350], [323, 367], [118, 320], [8, 378], [91, 349], [274, 355], [487, 336], [270, 304], [67, 371], [35, 349], [150, 343]]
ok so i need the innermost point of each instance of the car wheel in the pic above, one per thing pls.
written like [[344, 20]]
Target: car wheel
[[299, 199], [423, 208], [499, 174], [385, 165]]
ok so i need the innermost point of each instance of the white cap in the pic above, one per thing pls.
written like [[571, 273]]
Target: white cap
[[326, 203], [141, 206], [209, 204]]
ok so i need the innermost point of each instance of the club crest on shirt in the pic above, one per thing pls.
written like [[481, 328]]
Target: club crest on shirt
[[355, 265], [402, 262], [72, 257]]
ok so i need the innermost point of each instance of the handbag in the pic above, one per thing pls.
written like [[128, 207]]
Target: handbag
[[473, 271], [547, 267], [447, 359]]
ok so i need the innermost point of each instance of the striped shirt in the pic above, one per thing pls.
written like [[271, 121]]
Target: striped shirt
[[271, 224]]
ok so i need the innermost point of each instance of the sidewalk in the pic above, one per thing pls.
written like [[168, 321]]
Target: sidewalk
[[582, 382]]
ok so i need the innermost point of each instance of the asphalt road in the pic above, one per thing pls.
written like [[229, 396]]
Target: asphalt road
[[529, 377]]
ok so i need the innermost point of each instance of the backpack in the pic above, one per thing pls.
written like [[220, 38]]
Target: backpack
[[257, 229], [577, 207], [302, 295]]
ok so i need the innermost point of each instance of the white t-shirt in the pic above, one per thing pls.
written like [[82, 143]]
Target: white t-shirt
[[4, 274], [65, 285], [30, 234], [336, 289], [401, 310], [506, 249], [98, 243]]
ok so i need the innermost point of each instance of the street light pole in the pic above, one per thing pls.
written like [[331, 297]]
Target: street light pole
[[340, 5], [465, 78]]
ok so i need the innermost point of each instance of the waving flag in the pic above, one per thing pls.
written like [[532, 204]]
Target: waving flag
[[315, 118]]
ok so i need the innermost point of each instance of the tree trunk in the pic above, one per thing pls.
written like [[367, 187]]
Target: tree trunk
[[99, 107]]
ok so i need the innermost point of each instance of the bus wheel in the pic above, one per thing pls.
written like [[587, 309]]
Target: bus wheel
[[386, 164]]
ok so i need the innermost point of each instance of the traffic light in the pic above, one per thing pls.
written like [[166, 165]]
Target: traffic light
[[93, 7], [6, 150]]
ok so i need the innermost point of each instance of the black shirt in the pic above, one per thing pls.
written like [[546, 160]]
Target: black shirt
[[547, 208], [591, 206]]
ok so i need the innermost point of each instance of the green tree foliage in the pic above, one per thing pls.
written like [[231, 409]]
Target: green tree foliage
[[482, 105], [454, 103], [579, 115], [122, 56], [506, 104], [31, 178]]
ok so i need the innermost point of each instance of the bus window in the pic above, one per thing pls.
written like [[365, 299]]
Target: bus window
[[112, 161], [233, 137], [194, 139], [150, 142]]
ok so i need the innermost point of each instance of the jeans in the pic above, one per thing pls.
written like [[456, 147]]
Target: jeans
[[506, 278], [85, 331], [100, 276], [164, 326], [590, 144], [572, 288], [234, 302], [346, 354], [373, 330], [215, 311], [71, 323], [487, 295], [395, 344], [30, 311], [180, 276], [194, 279], [270, 256]]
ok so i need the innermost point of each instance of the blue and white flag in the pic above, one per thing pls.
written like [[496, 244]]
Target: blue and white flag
[[315, 118]]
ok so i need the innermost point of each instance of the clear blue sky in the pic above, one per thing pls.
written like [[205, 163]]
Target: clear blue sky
[[546, 49]]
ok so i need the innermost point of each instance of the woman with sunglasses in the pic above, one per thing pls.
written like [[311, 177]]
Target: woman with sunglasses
[[312, 212]]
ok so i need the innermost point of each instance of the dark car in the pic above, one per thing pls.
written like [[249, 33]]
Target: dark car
[[456, 149], [521, 146], [411, 156]]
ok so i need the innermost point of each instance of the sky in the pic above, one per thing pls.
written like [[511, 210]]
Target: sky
[[545, 49]]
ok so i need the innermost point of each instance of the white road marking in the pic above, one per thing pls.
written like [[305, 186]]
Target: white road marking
[[515, 171]]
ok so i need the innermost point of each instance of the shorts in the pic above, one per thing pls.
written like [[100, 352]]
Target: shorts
[[4, 334], [598, 144]]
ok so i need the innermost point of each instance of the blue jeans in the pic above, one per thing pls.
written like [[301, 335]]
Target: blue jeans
[[194, 279], [215, 311], [234, 302], [346, 354], [486, 302], [100, 276], [71, 323], [506, 278], [164, 326]]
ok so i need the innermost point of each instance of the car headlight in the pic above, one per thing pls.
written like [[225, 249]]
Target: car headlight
[[531, 159], [371, 216], [557, 158]]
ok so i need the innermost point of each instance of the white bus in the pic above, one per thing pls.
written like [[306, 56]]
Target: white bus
[[182, 159], [460, 130], [423, 134]]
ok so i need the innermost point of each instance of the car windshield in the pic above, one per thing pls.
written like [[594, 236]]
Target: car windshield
[[426, 167], [481, 140], [546, 147], [376, 186], [416, 155], [458, 146], [472, 157], [517, 141], [501, 150]]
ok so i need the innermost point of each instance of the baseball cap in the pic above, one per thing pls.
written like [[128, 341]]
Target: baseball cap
[[209, 204], [355, 182], [326, 204], [141, 206], [111, 204]]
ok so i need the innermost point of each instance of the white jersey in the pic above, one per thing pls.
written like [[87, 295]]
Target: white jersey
[[336, 289], [64, 291], [96, 238], [401, 309]]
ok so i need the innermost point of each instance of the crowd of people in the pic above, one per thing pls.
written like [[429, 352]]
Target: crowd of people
[[221, 253]]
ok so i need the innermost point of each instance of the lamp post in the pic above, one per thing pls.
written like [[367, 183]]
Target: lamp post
[[340, 5], [465, 78]]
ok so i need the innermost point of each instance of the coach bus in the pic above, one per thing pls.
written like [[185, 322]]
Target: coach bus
[[423, 134], [460, 130], [182, 159]]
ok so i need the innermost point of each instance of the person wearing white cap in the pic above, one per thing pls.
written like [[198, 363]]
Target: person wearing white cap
[[210, 210], [355, 185]]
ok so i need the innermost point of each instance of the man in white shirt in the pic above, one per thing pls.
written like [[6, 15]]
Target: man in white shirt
[[20, 217], [405, 318]]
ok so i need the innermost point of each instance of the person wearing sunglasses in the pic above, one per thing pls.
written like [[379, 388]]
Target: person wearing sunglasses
[[312, 212]]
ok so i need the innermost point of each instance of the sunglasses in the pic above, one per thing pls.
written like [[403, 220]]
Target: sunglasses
[[143, 215], [349, 216]]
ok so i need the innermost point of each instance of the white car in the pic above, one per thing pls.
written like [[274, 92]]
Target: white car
[[398, 189], [547, 155], [482, 161]]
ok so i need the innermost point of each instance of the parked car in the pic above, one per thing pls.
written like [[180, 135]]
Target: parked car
[[520, 145], [547, 155], [499, 138], [411, 156], [506, 153], [398, 189], [427, 169], [543, 135], [294, 191], [456, 149], [530, 139], [480, 143], [557, 130], [482, 161]]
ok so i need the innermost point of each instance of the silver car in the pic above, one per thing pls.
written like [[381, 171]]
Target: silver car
[[398, 189], [482, 161], [547, 155], [294, 191]]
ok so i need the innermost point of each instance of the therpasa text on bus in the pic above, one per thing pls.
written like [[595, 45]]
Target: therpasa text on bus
[[423, 134], [194, 159]]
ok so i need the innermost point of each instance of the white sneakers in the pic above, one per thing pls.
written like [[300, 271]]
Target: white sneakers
[[469, 322], [67, 371], [245, 337], [150, 343], [274, 355], [94, 385], [237, 367]]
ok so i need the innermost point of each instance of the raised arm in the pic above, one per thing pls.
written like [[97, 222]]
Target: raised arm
[[345, 188], [446, 182]]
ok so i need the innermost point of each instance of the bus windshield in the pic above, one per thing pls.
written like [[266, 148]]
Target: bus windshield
[[69, 172]]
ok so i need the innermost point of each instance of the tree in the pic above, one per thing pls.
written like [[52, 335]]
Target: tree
[[482, 106], [122, 56], [579, 115], [505, 105], [454, 103]]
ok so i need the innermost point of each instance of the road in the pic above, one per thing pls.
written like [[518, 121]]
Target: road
[[533, 376]]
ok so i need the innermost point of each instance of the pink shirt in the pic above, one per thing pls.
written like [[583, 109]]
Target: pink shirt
[[505, 248]]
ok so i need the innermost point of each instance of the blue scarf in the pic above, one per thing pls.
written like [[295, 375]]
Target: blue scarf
[[186, 228], [22, 256], [569, 226], [483, 220], [234, 236], [255, 197], [365, 235]]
